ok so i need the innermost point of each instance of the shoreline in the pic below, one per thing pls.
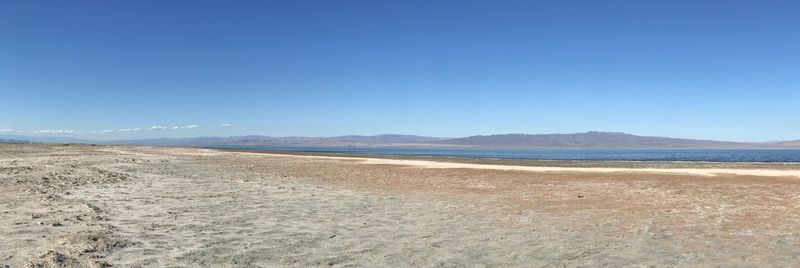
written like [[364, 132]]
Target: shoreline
[[791, 168], [452, 165]]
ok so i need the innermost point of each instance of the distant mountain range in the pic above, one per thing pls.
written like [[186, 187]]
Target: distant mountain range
[[45, 139], [588, 140], [786, 144], [12, 141], [352, 140], [591, 139]]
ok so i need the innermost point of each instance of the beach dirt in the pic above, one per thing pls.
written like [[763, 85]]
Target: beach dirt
[[123, 206]]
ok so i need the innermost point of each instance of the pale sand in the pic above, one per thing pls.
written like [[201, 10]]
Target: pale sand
[[79, 206]]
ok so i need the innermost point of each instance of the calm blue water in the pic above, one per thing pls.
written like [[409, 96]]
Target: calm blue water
[[710, 155]]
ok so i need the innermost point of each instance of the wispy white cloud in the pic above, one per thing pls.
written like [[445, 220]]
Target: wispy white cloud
[[156, 127], [185, 127], [54, 131], [105, 131], [118, 130], [229, 125]]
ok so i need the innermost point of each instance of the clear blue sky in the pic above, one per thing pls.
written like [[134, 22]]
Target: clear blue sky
[[726, 70]]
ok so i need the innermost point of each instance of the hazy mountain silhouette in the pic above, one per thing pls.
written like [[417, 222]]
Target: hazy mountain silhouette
[[351, 140], [13, 141], [591, 139]]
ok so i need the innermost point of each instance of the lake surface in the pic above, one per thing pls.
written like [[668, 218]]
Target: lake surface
[[709, 155]]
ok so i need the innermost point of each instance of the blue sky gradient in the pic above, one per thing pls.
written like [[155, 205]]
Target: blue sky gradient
[[727, 70]]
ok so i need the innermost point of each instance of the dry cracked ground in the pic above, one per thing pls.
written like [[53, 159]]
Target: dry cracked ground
[[102, 206]]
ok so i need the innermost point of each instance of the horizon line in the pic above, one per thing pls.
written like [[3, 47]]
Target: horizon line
[[60, 135]]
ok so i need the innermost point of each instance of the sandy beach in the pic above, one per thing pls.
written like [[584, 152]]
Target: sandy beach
[[101, 206]]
